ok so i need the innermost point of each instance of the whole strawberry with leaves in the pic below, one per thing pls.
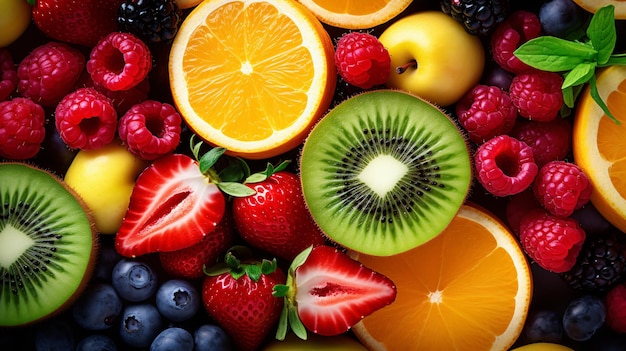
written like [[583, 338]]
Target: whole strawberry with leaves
[[239, 297], [275, 218]]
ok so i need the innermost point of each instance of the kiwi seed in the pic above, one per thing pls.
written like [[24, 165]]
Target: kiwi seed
[[48, 245], [384, 172]]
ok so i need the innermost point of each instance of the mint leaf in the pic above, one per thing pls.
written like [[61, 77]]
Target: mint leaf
[[579, 75], [553, 54], [602, 33], [593, 91]]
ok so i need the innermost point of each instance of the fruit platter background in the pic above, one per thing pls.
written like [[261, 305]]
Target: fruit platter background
[[534, 195]]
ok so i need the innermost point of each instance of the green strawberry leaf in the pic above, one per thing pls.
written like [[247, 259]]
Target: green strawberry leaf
[[602, 33], [553, 54], [593, 90], [253, 272], [210, 158], [283, 322], [296, 324], [236, 171], [269, 170], [579, 74], [235, 189]]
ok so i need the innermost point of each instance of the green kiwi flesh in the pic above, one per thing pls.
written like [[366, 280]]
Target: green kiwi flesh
[[384, 172], [47, 245]]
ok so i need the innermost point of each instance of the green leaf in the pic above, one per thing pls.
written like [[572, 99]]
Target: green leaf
[[254, 272], [554, 54], [593, 90], [269, 267], [280, 290], [256, 178], [210, 158], [236, 171], [296, 324], [216, 269], [568, 96], [579, 75], [283, 323], [602, 33], [235, 189]]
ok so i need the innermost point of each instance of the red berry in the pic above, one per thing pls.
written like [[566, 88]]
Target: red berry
[[517, 29], [486, 112], [49, 72], [122, 100], [362, 60], [561, 188], [552, 242], [505, 165], [21, 128], [86, 119], [150, 129], [119, 61], [615, 302], [8, 74], [518, 206], [537, 95], [550, 141]]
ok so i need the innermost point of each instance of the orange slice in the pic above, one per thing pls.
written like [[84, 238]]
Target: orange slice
[[599, 144], [469, 288], [594, 5], [356, 14], [252, 76]]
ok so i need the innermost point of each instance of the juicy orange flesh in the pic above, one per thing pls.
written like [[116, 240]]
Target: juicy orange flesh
[[612, 143], [261, 79], [355, 7], [449, 303]]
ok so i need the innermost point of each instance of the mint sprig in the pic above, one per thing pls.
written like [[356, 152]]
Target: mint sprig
[[577, 60]]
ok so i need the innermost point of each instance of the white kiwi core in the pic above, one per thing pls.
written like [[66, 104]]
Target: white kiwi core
[[13, 243], [382, 174]]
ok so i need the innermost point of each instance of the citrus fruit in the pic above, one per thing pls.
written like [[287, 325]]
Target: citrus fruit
[[352, 14], [252, 76], [469, 288], [599, 146], [594, 5], [187, 4], [542, 346], [315, 342]]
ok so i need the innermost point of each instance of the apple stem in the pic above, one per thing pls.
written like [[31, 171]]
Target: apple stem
[[406, 66]]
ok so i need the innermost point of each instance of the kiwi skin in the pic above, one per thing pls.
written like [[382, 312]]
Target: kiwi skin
[[320, 172], [89, 266]]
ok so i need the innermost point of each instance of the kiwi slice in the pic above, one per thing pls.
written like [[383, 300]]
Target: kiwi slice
[[47, 245], [384, 172]]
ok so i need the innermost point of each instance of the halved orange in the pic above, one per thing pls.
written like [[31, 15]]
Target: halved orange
[[599, 144], [252, 76], [594, 5], [356, 14], [469, 288]]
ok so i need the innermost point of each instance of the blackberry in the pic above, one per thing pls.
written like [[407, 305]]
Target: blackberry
[[478, 17], [153, 21], [601, 263]]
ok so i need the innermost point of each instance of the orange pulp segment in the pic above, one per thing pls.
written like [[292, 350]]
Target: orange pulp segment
[[252, 76], [356, 14], [594, 5], [469, 288]]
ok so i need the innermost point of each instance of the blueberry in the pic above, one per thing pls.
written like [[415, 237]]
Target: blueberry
[[544, 326], [563, 19], [96, 342], [583, 316], [134, 280], [98, 307], [178, 300], [211, 337], [54, 335], [140, 324], [173, 339]]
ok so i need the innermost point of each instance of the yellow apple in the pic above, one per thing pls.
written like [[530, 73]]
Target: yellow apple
[[315, 342], [432, 56], [15, 17], [104, 178]]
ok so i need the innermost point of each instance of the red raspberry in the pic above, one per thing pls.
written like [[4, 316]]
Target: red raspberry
[[517, 29], [505, 165], [562, 187], [150, 129], [537, 95], [550, 141], [22, 128], [615, 302], [49, 72], [119, 61], [518, 206], [8, 75], [486, 112], [122, 100], [86, 119], [362, 60], [552, 242]]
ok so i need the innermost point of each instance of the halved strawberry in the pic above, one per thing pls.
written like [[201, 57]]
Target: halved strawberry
[[327, 292]]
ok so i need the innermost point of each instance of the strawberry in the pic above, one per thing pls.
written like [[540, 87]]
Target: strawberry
[[81, 22], [328, 292], [241, 301], [275, 218]]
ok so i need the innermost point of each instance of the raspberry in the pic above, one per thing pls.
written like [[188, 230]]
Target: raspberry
[[119, 61], [486, 112], [552, 242], [518, 206], [22, 128], [362, 60], [86, 119], [550, 141], [537, 95], [49, 72], [517, 29], [615, 302], [122, 100], [8, 75], [505, 166], [150, 129], [562, 187]]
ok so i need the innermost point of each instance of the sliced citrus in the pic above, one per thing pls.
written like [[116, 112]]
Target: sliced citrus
[[599, 144], [469, 288], [252, 76], [356, 14], [594, 5]]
